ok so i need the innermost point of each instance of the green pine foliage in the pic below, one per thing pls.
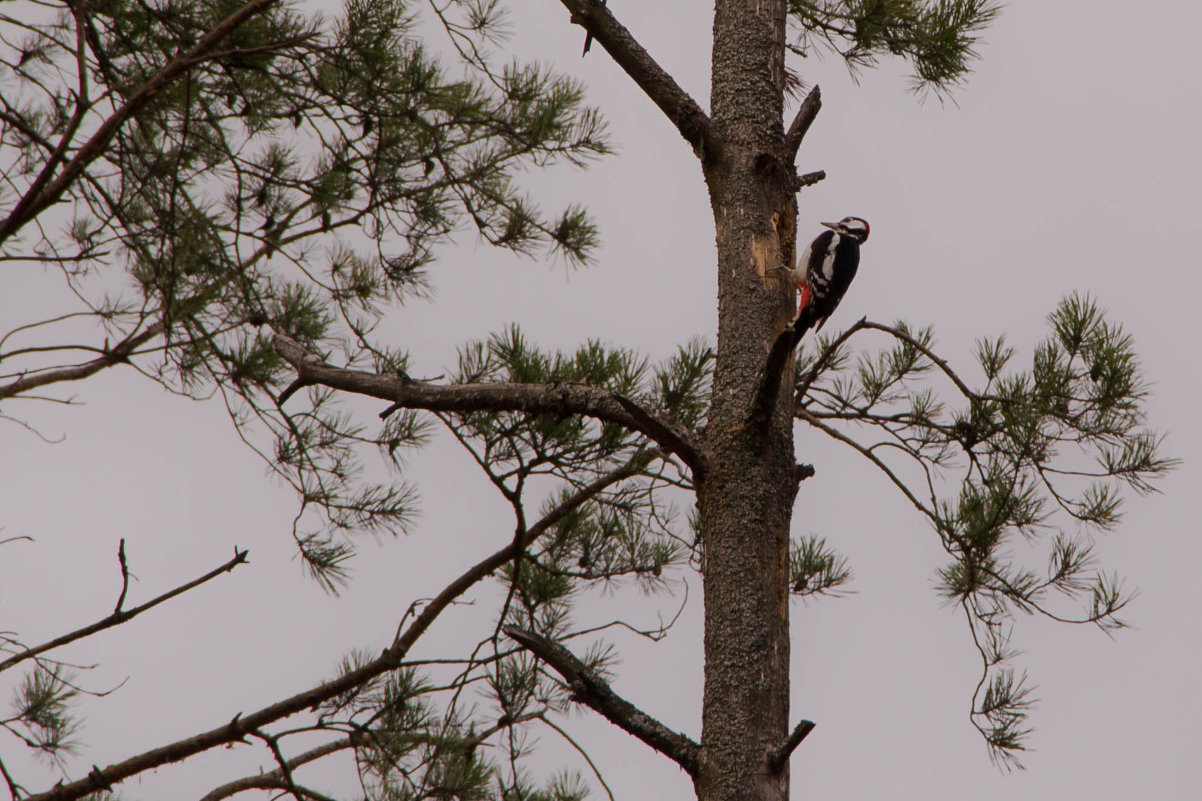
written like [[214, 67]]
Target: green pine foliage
[[302, 176], [623, 531], [40, 715], [815, 569], [937, 37], [1015, 475]]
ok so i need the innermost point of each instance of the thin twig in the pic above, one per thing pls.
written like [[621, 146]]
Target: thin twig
[[14, 790], [583, 753], [872, 457], [118, 617], [124, 577], [392, 658]]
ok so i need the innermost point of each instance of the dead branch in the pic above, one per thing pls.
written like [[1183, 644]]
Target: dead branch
[[676, 104], [591, 690], [237, 729], [802, 121], [780, 757], [118, 616]]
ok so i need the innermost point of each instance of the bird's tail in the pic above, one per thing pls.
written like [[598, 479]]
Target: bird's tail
[[804, 322]]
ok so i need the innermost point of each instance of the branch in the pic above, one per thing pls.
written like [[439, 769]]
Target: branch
[[658, 85], [809, 179], [820, 362], [591, 690], [662, 432], [125, 576], [925, 351], [45, 192], [867, 453], [801, 123], [274, 780], [555, 398], [15, 790], [118, 354], [780, 757], [580, 750], [118, 616], [242, 725]]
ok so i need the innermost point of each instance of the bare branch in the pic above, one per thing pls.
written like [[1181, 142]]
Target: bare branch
[[243, 725], [810, 178], [554, 398], [681, 109], [780, 757], [118, 617], [15, 790], [801, 123], [583, 754], [118, 354], [274, 780], [591, 690], [124, 577]]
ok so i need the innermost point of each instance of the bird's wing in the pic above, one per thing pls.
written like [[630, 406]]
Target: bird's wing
[[819, 259], [799, 273]]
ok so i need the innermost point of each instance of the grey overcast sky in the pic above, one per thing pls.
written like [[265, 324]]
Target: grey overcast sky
[[1070, 161]]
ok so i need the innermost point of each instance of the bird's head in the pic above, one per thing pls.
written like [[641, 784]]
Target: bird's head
[[855, 227]]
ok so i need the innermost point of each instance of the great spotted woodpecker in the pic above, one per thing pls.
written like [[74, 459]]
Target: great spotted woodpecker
[[825, 270]]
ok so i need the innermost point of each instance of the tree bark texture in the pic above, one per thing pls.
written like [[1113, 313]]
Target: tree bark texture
[[746, 498]]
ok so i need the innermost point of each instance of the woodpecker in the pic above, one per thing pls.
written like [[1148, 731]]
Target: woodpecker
[[825, 270]]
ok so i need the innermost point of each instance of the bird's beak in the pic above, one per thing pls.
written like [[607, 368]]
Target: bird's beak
[[832, 226]]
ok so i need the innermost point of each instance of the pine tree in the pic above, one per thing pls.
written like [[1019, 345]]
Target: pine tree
[[275, 184]]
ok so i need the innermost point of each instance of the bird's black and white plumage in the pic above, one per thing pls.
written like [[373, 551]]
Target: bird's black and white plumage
[[825, 270]]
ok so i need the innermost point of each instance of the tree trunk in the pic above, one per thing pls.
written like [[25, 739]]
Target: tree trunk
[[745, 499]]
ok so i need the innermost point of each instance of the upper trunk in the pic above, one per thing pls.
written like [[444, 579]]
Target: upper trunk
[[745, 499]]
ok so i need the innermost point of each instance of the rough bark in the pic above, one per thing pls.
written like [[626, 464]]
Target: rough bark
[[745, 501]]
